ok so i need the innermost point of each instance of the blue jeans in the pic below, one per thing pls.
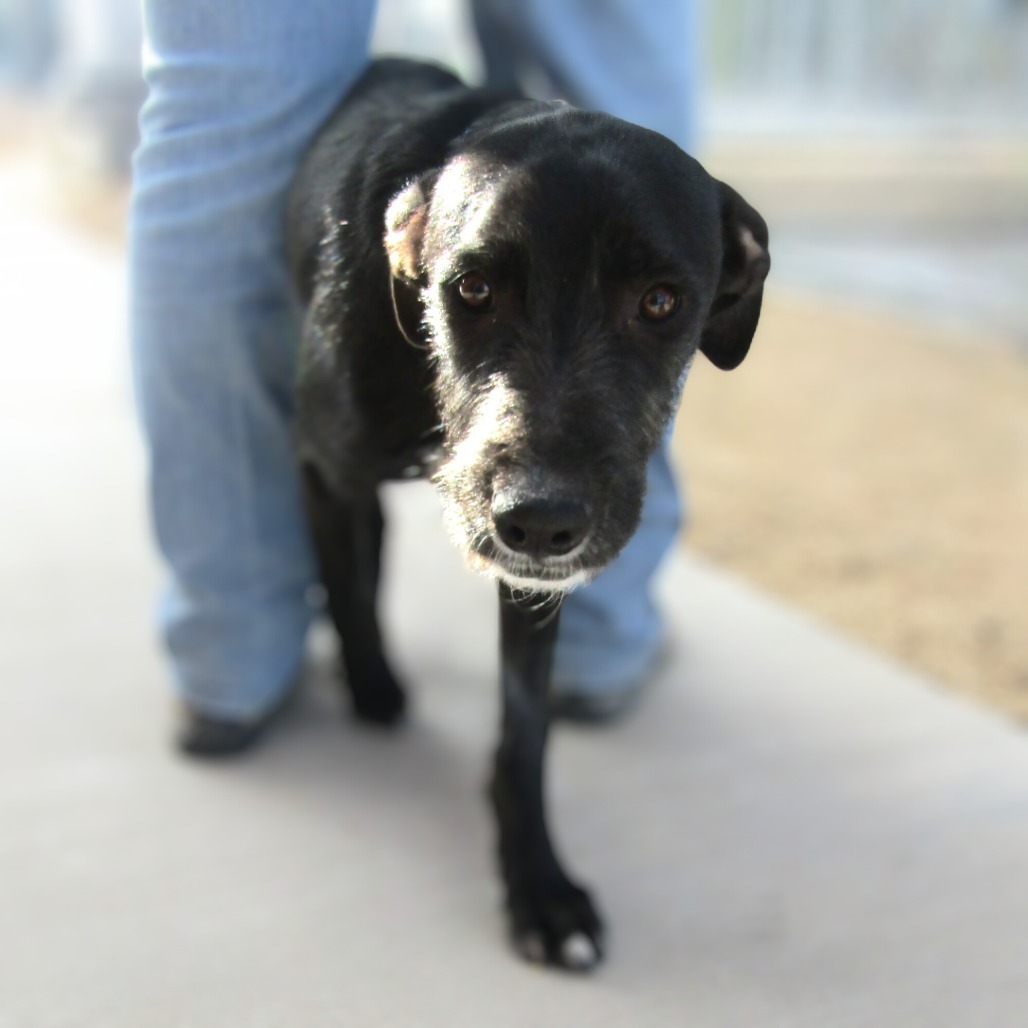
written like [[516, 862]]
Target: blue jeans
[[237, 90]]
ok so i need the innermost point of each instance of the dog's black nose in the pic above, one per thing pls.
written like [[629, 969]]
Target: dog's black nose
[[540, 526]]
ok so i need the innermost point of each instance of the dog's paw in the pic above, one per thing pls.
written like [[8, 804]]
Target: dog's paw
[[378, 699], [560, 926]]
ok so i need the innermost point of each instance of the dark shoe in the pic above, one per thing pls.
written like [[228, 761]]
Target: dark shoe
[[594, 708], [593, 705], [202, 735]]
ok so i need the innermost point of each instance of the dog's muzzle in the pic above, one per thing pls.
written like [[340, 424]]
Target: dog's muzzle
[[537, 536]]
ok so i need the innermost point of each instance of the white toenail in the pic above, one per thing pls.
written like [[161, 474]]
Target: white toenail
[[579, 951]]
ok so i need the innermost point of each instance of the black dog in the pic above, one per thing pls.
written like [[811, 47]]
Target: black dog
[[504, 294]]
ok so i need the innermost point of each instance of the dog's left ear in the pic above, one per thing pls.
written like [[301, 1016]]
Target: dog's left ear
[[745, 262], [405, 222]]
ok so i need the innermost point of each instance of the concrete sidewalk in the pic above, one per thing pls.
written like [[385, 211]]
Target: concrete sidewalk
[[790, 831]]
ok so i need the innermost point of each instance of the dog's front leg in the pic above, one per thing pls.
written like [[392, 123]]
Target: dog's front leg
[[348, 539], [551, 918]]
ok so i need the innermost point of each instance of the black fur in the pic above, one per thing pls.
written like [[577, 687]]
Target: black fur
[[473, 268]]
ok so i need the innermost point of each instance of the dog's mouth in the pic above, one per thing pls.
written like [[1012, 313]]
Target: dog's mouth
[[549, 575]]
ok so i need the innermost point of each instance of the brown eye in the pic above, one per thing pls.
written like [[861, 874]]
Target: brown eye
[[475, 291], [659, 303]]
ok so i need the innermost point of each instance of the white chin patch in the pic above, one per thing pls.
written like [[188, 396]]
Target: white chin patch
[[536, 585]]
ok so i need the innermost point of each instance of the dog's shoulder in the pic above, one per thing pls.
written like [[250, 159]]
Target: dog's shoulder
[[398, 120]]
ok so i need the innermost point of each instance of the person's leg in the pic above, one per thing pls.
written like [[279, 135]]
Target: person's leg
[[636, 61], [611, 633], [237, 90]]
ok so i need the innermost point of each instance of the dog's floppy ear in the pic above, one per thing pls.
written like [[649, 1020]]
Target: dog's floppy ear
[[745, 262], [405, 222]]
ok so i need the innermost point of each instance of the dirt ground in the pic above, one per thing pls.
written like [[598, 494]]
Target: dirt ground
[[871, 471], [874, 473]]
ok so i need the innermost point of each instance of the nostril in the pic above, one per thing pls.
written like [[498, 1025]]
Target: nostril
[[567, 538], [513, 535]]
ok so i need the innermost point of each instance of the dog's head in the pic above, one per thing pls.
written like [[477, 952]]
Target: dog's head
[[563, 268]]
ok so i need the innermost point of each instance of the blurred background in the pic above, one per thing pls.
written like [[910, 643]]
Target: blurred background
[[869, 461]]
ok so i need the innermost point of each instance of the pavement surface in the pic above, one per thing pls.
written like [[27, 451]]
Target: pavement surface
[[790, 831]]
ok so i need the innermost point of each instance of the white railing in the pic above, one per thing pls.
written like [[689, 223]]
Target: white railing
[[940, 58]]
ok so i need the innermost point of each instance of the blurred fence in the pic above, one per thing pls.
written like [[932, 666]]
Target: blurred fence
[[769, 64], [940, 60]]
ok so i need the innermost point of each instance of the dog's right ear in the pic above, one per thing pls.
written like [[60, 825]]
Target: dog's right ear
[[405, 223]]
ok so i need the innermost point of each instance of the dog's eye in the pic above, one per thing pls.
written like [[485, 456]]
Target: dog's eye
[[659, 302], [475, 291]]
